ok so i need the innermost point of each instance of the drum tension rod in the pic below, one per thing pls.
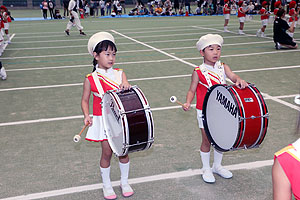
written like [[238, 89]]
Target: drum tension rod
[[254, 117], [134, 111], [139, 143]]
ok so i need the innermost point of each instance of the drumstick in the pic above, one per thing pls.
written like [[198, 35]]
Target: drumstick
[[173, 99], [78, 137]]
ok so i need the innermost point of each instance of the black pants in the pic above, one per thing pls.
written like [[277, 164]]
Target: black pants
[[51, 13], [45, 13]]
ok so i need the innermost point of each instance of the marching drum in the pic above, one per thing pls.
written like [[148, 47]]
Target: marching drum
[[128, 121], [234, 118]]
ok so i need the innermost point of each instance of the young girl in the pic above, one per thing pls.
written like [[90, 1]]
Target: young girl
[[277, 6], [264, 16], [102, 47], [242, 16], [211, 72], [6, 20], [226, 12], [293, 17]]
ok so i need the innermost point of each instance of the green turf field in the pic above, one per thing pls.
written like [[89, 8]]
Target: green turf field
[[40, 108]]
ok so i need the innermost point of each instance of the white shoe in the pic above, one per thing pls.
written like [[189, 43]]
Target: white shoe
[[226, 31], [257, 34], [221, 171], [3, 73], [263, 35], [208, 176], [127, 191], [241, 33], [109, 193]]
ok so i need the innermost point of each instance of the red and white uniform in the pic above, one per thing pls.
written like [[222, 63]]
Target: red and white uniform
[[293, 14], [226, 13], [108, 81], [241, 15], [275, 11], [208, 76], [289, 159], [264, 18], [6, 19]]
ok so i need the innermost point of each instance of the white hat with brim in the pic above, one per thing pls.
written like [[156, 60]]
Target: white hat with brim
[[209, 39], [99, 37]]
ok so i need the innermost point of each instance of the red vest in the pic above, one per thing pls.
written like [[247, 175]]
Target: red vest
[[240, 14], [106, 84]]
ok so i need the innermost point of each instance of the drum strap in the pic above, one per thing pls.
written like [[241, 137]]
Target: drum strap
[[204, 71], [98, 85]]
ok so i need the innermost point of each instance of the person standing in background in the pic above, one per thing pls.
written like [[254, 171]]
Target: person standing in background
[[45, 8], [51, 6]]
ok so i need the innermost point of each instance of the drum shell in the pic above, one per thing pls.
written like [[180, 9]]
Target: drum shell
[[132, 128]]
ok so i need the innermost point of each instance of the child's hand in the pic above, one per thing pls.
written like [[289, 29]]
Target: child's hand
[[186, 106], [88, 121], [241, 84], [125, 86]]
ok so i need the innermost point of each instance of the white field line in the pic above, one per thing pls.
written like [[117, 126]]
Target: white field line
[[140, 180], [131, 43], [131, 51], [132, 30], [266, 97], [136, 37], [6, 44], [85, 39], [176, 58], [141, 79], [282, 102]]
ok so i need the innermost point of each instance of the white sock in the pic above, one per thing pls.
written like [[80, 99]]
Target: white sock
[[105, 174], [217, 158], [8, 37], [291, 34], [225, 27], [205, 157], [124, 168]]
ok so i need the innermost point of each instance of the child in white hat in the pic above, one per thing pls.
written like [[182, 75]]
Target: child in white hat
[[103, 49], [211, 72]]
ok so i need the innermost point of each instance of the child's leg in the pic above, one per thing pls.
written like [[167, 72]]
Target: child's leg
[[205, 157], [105, 171], [217, 167], [241, 26], [124, 164], [263, 28], [225, 25], [7, 35]]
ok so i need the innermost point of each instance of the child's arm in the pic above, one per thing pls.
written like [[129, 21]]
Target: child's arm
[[191, 93], [240, 83], [85, 102], [125, 84]]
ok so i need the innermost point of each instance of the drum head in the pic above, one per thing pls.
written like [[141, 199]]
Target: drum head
[[220, 118], [112, 123]]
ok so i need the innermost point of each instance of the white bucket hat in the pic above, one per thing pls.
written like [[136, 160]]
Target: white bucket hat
[[209, 39], [99, 37]]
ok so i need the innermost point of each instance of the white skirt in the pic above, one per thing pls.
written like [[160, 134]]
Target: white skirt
[[96, 132]]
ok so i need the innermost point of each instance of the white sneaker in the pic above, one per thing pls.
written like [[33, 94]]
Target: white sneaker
[[263, 35], [127, 191], [109, 193], [241, 32], [226, 31], [3, 73], [221, 171], [208, 176], [257, 34]]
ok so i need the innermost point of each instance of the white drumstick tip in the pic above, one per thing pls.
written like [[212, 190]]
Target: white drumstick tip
[[76, 138], [173, 99]]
